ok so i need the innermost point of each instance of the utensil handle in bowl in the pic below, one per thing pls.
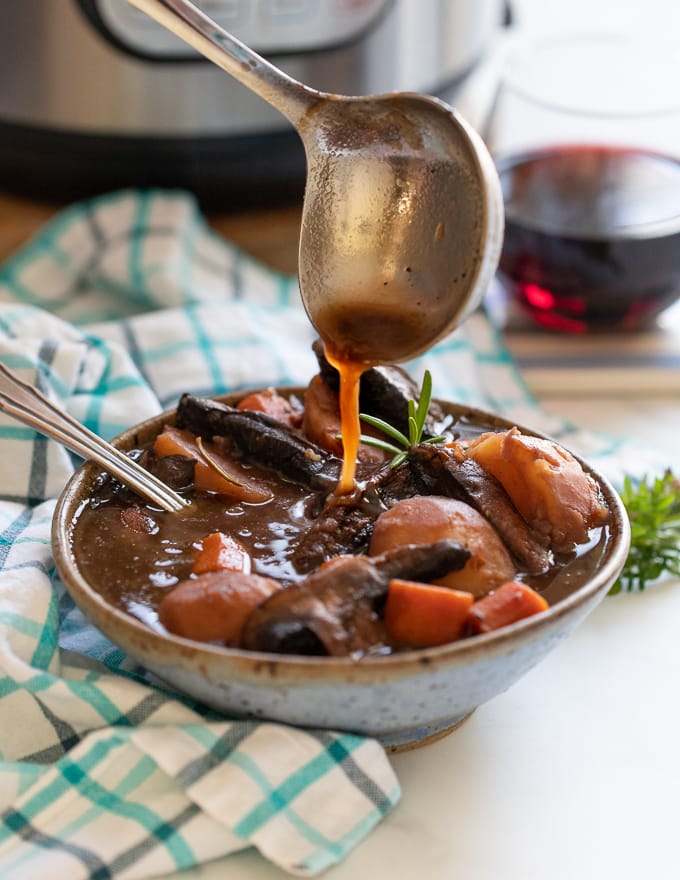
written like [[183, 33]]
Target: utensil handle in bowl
[[291, 98], [25, 403]]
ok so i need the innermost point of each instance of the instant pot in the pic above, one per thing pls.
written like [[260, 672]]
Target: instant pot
[[95, 96]]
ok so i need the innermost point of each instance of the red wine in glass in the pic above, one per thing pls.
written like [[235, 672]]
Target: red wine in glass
[[592, 239]]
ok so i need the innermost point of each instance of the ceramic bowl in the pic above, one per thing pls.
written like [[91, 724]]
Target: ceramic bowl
[[403, 700]]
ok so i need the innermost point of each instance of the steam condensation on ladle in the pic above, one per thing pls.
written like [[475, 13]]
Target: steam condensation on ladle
[[392, 233]]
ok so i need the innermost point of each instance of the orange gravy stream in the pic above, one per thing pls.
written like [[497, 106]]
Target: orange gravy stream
[[350, 374], [390, 326]]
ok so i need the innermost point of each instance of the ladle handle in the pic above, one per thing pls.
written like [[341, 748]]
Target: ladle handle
[[291, 98]]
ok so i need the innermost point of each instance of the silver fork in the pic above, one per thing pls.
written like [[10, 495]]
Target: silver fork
[[30, 406]]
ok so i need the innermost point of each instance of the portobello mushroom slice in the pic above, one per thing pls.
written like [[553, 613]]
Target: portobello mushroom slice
[[176, 471], [441, 473], [384, 392], [336, 610], [262, 438]]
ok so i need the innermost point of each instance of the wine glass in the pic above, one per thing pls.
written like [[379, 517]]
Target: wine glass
[[585, 133]]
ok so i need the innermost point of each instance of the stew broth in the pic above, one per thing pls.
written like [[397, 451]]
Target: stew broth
[[136, 566]]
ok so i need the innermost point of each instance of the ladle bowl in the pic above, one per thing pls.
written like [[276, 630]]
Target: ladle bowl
[[402, 219]]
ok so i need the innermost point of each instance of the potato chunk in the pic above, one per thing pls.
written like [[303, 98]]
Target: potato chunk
[[545, 483], [214, 606], [429, 518]]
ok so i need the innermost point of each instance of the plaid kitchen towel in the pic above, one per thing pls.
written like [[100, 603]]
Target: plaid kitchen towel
[[117, 307]]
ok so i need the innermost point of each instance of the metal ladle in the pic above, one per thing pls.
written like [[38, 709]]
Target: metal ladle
[[403, 215]]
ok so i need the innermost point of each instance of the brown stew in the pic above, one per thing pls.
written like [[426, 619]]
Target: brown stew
[[319, 567]]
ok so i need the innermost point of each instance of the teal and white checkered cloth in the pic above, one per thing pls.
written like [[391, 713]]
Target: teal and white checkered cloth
[[117, 307]]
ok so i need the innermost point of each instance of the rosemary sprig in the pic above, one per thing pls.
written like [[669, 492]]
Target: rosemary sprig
[[654, 511], [417, 414]]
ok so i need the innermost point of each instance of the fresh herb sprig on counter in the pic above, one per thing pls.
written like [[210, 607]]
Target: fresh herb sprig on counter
[[417, 414], [653, 507]]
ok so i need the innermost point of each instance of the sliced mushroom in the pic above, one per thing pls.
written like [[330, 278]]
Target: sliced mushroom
[[262, 438]]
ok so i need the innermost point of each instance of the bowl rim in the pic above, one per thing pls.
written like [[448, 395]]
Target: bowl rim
[[72, 499]]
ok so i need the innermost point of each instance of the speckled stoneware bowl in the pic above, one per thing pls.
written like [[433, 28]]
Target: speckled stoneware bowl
[[404, 700]]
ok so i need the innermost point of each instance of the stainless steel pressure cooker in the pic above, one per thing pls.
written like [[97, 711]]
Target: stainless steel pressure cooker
[[95, 96]]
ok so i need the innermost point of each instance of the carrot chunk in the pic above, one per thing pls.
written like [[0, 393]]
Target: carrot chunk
[[174, 441], [211, 467], [274, 405], [422, 616], [510, 602], [220, 552]]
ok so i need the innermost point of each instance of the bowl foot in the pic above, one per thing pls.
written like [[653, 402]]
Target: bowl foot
[[416, 737]]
